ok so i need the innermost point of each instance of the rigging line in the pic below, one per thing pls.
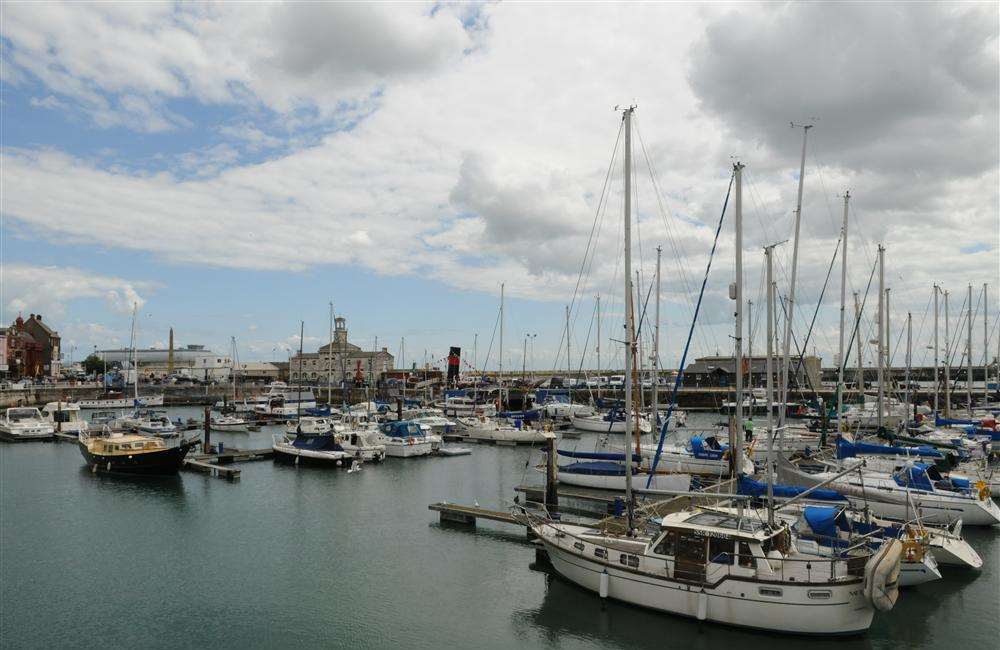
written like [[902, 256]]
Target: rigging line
[[920, 329], [694, 321], [675, 245], [819, 302], [486, 361], [841, 370], [594, 226]]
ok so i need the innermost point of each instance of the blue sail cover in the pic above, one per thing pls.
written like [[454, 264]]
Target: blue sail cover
[[324, 442], [847, 449], [527, 416], [753, 488], [598, 455], [982, 431], [595, 468], [943, 422], [459, 392]]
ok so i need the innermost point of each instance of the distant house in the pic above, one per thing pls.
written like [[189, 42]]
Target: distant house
[[32, 349], [719, 371]]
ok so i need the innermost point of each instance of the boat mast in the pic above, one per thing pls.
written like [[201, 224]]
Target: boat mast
[[135, 360], [937, 360], [986, 352], [329, 361], [909, 359], [232, 363], [500, 366], [888, 344], [968, 358], [738, 297], [656, 348], [947, 358], [881, 332], [569, 364], [598, 346], [629, 324], [790, 311], [770, 386], [843, 305], [298, 402], [857, 337]]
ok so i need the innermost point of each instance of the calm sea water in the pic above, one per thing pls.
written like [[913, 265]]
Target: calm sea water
[[311, 556]]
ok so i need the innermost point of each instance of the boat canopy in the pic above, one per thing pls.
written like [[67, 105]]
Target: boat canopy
[[826, 520], [527, 416], [943, 422], [323, 442], [753, 488], [708, 448], [551, 395], [847, 449], [595, 468], [401, 429], [598, 455], [914, 476]]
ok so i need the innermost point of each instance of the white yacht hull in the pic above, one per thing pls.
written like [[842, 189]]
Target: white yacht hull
[[407, 450], [912, 574], [732, 601], [26, 434], [669, 482], [121, 402], [600, 425]]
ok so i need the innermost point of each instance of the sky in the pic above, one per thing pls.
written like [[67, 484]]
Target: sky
[[232, 169]]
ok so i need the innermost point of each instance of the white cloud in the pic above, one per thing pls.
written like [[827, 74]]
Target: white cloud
[[49, 290], [478, 154]]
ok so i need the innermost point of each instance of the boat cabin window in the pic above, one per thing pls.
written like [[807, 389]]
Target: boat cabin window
[[720, 551], [667, 544], [745, 555], [691, 554], [629, 560], [16, 415], [600, 552]]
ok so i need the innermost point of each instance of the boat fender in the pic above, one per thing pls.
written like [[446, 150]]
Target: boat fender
[[882, 575], [605, 579], [702, 605]]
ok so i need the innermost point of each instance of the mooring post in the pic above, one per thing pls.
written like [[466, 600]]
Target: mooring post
[[551, 487], [207, 446]]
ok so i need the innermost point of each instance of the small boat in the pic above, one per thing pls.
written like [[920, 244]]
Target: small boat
[[361, 444], [308, 425], [100, 418], [312, 448], [229, 423], [65, 417], [25, 423], [495, 430], [610, 422], [454, 451], [403, 439], [133, 454]]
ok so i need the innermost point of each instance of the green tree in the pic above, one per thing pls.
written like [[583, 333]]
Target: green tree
[[93, 365]]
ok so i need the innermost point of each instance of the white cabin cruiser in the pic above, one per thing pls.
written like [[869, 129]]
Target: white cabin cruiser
[[714, 566], [322, 449], [362, 444], [229, 423], [458, 406], [611, 422], [65, 417], [309, 425], [24, 423], [403, 439], [494, 430]]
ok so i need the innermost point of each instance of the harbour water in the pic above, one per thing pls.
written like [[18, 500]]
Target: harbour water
[[319, 557]]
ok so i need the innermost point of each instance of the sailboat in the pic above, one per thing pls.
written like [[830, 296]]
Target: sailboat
[[716, 565]]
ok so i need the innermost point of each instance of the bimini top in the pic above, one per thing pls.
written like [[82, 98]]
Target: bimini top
[[401, 429]]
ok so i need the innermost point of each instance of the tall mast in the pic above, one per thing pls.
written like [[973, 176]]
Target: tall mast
[[638, 357], [629, 325], [843, 306], [947, 358], [750, 354], [569, 364], [232, 364], [968, 358], [986, 351], [329, 361], [857, 338], [500, 356], [738, 297], [937, 359], [598, 346], [135, 359], [298, 401], [656, 347], [881, 333], [790, 311], [888, 344], [909, 358], [770, 386]]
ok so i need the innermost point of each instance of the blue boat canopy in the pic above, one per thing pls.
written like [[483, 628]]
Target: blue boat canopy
[[825, 520], [708, 448], [847, 449], [750, 487], [401, 429], [914, 476], [595, 468], [598, 455]]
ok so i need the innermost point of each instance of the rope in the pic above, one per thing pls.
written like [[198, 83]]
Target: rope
[[687, 344]]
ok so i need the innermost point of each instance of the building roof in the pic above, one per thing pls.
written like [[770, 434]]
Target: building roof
[[339, 347], [705, 365]]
